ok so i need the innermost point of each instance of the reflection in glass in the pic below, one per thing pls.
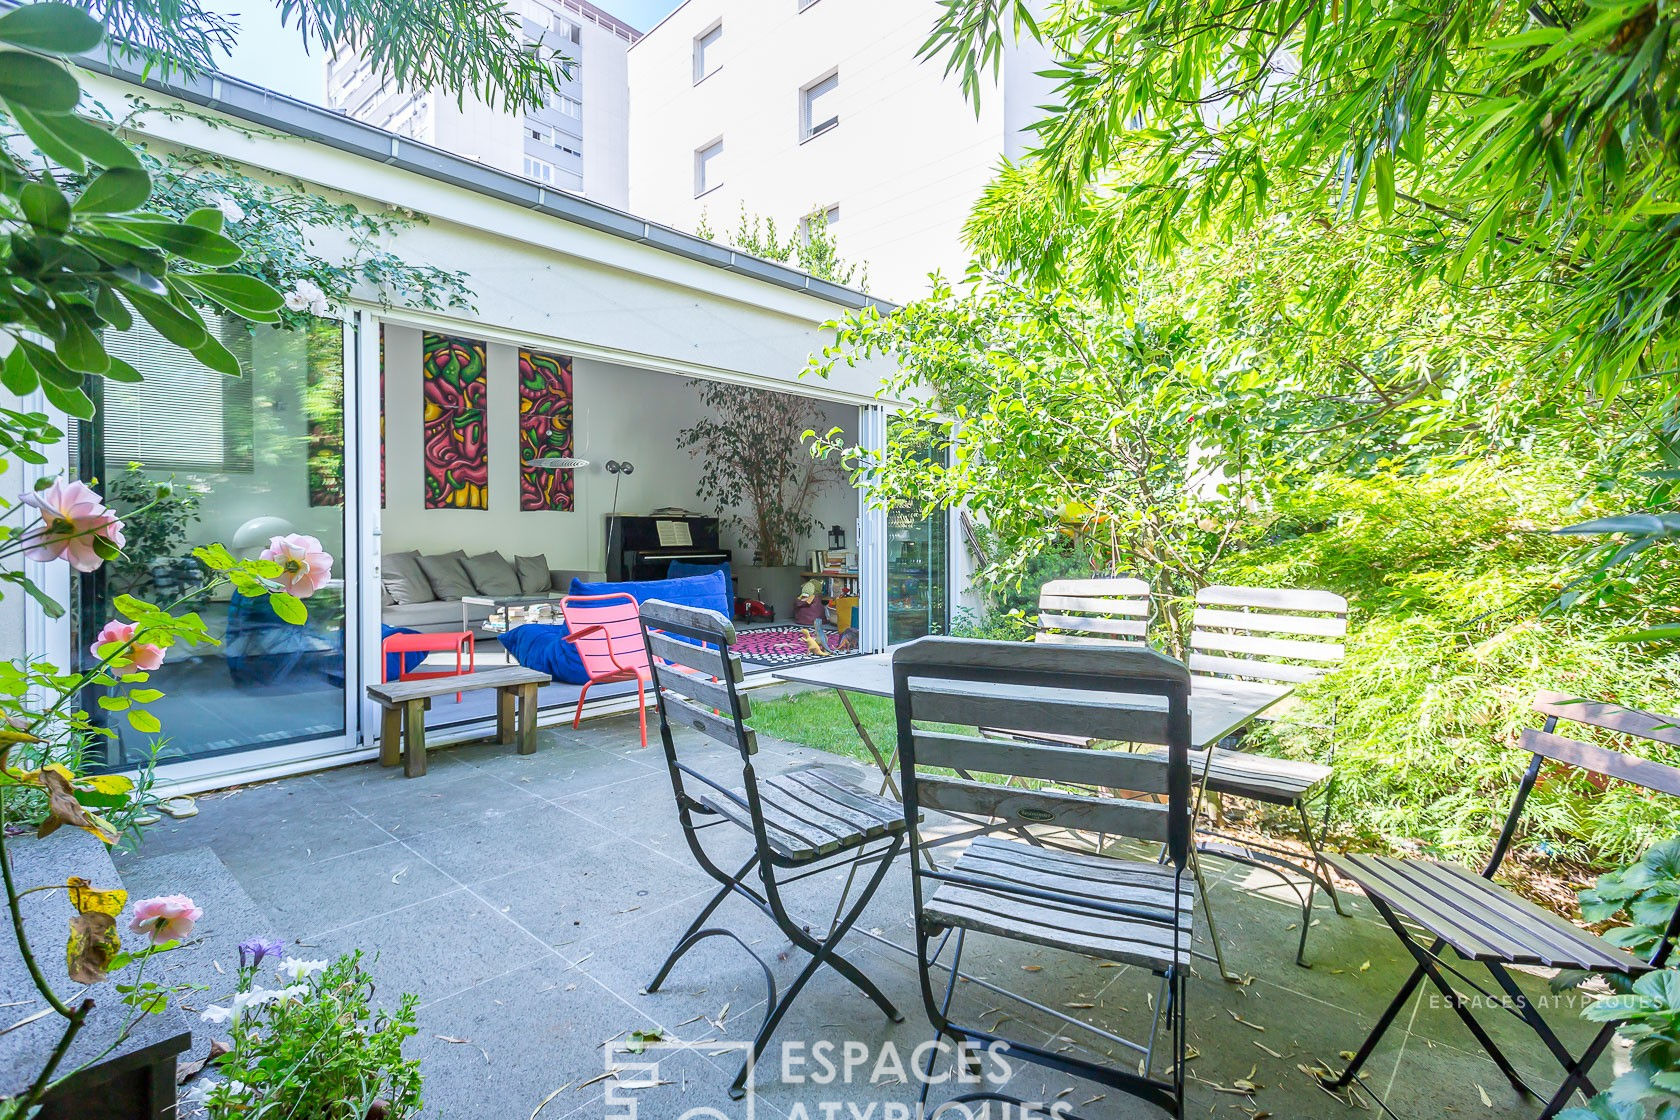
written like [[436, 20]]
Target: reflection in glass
[[245, 459]]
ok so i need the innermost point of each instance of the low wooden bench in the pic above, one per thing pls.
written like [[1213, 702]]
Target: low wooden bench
[[405, 704]]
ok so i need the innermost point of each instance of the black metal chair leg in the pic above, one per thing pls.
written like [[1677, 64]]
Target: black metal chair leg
[[688, 940], [1575, 1074], [1537, 1023], [1324, 873], [1384, 1021], [1426, 962]]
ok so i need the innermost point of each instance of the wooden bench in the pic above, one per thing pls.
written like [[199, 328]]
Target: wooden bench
[[405, 704]]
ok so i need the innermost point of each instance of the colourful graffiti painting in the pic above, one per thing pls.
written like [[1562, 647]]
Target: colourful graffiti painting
[[457, 450], [545, 429]]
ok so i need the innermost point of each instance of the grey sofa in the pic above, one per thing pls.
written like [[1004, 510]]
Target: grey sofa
[[424, 591]]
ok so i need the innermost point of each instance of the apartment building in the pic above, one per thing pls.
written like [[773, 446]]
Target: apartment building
[[818, 110], [578, 142]]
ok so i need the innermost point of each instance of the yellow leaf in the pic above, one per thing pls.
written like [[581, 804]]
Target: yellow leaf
[[93, 942], [65, 809], [106, 783], [86, 900]]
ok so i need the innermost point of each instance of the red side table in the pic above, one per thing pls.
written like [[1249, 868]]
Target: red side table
[[460, 641]]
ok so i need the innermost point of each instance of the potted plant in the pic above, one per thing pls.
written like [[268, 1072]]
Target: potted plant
[[756, 472]]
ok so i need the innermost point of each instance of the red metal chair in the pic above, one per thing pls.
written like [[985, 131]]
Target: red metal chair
[[606, 630]]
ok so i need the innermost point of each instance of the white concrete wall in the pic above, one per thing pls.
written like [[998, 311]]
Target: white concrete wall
[[606, 116], [620, 413], [905, 163]]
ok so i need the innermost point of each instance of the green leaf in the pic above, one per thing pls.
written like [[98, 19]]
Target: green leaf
[[49, 606], [289, 608], [116, 191], [80, 348], [146, 695], [1383, 169], [112, 309], [143, 721], [51, 28], [216, 557], [44, 205], [114, 703], [1669, 632], [200, 246], [72, 402], [32, 82], [185, 331], [217, 356], [241, 294], [17, 375], [205, 217], [120, 370], [67, 138]]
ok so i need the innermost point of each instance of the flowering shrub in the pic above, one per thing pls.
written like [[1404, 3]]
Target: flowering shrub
[[314, 1047]]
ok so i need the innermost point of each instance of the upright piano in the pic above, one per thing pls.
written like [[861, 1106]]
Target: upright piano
[[640, 548]]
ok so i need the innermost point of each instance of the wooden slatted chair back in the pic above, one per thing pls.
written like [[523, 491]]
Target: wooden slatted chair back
[[1083, 611], [615, 647], [1547, 747], [1107, 691], [696, 672], [1274, 635]]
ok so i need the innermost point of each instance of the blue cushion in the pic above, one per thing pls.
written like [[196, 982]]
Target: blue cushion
[[543, 646], [410, 660], [682, 569], [710, 591]]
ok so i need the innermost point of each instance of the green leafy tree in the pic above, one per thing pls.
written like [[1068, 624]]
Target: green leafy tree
[[811, 246]]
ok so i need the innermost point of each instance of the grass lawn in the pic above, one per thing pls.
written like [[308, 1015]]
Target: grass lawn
[[816, 719]]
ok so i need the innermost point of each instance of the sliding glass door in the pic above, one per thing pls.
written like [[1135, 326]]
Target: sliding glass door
[[918, 550], [189, 457]]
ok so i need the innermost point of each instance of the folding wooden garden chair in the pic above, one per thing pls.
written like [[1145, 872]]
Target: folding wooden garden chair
[[1454, 908], [1111, 608], [803, 823], [1270, 636], [1132, 911]]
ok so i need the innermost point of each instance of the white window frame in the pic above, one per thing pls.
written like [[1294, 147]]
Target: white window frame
[[702, 182], [808, 127], [537, 170], [706, 44], [569, 106]]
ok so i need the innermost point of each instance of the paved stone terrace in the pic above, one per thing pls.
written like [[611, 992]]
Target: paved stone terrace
[[527, 901]]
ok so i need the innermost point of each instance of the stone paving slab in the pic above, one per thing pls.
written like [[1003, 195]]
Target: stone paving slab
[[527, 900]]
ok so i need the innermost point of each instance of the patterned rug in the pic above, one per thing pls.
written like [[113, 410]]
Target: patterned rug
[[778, 644]]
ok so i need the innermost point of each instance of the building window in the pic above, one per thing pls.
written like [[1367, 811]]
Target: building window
[[539, 170], [819, 106], [540, 133], [570, 106], [707, 56], [825, 218], [708, 167]]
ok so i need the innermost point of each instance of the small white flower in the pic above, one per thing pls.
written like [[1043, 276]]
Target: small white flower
[[294, 970], [231, 210], [307, 295], [214, 1014]]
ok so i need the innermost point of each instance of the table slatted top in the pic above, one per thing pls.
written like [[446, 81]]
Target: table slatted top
[[1217, 707]]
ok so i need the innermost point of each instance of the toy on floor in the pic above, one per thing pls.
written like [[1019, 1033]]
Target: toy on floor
[[808, 608], [753, 610]]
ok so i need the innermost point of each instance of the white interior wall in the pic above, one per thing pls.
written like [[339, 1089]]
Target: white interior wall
[[620, 412]]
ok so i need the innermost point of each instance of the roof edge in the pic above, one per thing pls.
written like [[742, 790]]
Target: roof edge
[[281, 113]]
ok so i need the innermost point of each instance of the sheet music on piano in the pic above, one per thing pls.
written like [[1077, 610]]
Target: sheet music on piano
[[674, 534]]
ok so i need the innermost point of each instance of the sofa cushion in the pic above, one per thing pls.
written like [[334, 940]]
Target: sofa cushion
[[403, 580], [532, 572], [448, 575], [491, 574], [710, 591], [543, 646], [434, 617]]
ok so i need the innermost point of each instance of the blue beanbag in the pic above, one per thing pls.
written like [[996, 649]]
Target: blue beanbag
[[710, 590], [543, 646], [410, 660], [683, 569]]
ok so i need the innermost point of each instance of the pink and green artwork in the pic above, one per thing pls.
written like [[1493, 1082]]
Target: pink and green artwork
[[545, 429], [457, 451]]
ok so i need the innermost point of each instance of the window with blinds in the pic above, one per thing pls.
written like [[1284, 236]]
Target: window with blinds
[[184, 416]]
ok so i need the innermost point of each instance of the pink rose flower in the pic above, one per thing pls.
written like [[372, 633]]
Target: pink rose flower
[[141, 655], [307, 565], [168, 918], [72, 520]]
